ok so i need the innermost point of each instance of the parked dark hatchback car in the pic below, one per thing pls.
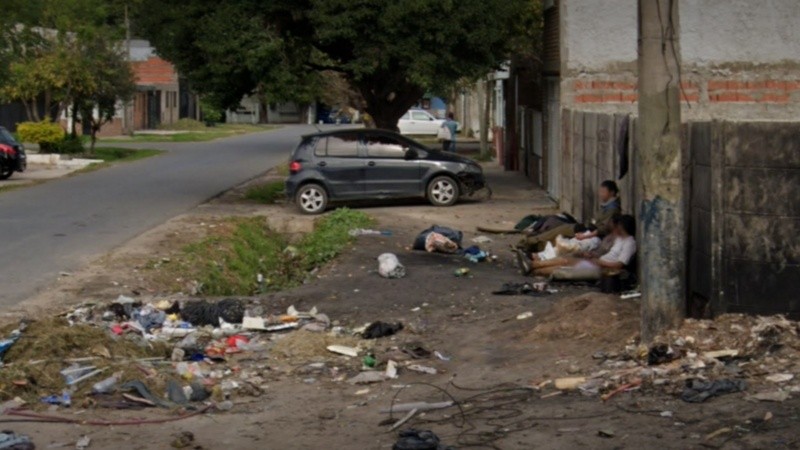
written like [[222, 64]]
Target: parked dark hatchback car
[[12, 155], [371, 164]]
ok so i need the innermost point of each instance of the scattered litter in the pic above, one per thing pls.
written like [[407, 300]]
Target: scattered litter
[[445, 240], [390, 267], [441, 356], [525, 315], [605, 433], [379, 329], [422, 369], [532, 289], [719, 432], [475, 255], [391, 369], [481, 239], [698, 391], [418, 440], [569, 383], [460, 272], [630, 294], [366, 232], [83, 443], [368, 377], [13, 441], [403, 420], [343, 350], [419, 406], [774, 396], [780, 377], [720, 354], [364, 391], [660, 354]]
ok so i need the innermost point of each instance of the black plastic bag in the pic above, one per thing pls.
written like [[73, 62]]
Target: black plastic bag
[[379, 329]]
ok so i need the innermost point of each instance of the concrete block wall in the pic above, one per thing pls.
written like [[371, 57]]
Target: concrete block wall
[[739, 61]]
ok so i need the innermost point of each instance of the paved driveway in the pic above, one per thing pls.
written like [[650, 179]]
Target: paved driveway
[[62, 224]]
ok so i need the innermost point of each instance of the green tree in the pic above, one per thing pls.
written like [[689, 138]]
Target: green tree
[[110, 81], [390, 51]]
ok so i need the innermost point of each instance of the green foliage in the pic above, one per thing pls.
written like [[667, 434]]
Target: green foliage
[[47, 134], [390, 52], [184, 125], [266, 193], [230, 261], [330, 236], [70, 145], [116, 154], [212, 113]]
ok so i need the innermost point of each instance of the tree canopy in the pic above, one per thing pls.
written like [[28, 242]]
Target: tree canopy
[[390, 51]]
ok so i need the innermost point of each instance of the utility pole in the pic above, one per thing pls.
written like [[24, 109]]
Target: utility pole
[[662, 250]]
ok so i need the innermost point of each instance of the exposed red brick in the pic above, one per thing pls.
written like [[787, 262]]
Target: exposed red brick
[[612, 97], [717, 85], [580, 85], [756, 84], [588, 98], [624, 85], [689, 85], [744, 97], [602, 84], [630, 98], [726, 96], [736, 85], [690, 97], [774, 98], [792, 85]]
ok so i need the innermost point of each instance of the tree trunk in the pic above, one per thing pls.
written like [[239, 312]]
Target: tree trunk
[[73, 131], [385, 109], [486, 121], [661, 237]]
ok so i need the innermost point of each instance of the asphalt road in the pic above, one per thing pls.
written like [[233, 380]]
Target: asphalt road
[[62, 224]]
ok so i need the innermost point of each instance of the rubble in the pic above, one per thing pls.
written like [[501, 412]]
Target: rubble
[[698, 361]]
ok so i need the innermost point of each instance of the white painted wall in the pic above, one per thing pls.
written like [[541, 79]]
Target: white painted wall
[[718, 31], [599, 35]]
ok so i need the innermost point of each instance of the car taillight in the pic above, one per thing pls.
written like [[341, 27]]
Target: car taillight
[[295, 167]]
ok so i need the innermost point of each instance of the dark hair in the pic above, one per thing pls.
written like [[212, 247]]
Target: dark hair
[[611, 186], [451, 116], [626, 221]]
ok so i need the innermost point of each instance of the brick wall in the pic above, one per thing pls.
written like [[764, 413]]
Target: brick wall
[[154, 71], [622, 90]]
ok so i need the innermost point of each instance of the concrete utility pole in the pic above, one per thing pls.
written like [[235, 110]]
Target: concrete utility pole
[[658, 163], [127, 116]]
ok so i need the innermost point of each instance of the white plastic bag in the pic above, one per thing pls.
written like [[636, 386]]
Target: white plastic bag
[[389, 266]]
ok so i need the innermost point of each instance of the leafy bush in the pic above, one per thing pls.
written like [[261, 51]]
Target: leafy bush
[[47, 134], [211, 113], [69, 145]]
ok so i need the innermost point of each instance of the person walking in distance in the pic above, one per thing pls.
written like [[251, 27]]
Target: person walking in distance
[[450, 124]]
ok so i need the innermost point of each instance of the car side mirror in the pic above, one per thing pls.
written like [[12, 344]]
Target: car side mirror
[[411, 154]]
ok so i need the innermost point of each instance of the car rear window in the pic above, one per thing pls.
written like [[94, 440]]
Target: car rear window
[[6, 137], [341, 146]]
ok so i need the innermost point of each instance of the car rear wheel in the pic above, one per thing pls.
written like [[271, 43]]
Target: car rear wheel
[[443, 191], [5, 172], [312, 199]]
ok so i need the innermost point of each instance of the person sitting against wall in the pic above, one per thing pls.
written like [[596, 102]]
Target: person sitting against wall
[[591, 266], [548, 228]]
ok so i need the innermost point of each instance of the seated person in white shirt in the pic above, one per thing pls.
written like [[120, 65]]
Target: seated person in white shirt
[[616, 259]]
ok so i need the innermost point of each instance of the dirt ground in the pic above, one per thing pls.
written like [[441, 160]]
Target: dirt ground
[[494, 358]]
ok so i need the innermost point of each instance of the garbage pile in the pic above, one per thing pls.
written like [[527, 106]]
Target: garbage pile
[[188, 355], [703, 359]]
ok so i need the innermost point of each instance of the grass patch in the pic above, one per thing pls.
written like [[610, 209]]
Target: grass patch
[[266, 193], [193, 133], [111, 155], [230, 261]]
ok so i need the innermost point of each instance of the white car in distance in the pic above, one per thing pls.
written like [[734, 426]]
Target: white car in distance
[[419, 122]]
